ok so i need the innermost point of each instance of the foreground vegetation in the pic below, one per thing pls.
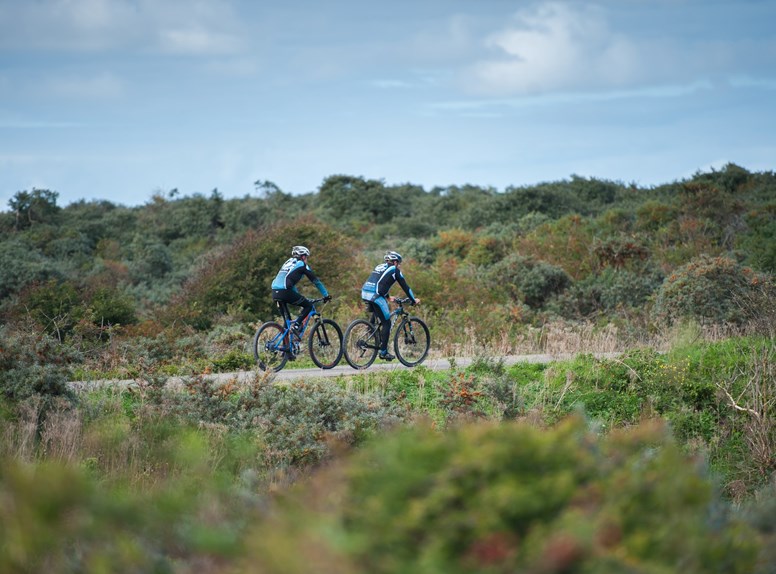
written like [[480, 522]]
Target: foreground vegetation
[[647, 460]]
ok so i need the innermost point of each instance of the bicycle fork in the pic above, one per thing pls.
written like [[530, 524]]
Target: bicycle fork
[[408, 333]]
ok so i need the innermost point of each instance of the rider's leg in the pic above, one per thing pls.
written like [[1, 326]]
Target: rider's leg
[[294, 298], [380, 306], [306, 306]]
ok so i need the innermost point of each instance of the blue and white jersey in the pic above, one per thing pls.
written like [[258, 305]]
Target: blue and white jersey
[[381, 280], [292, 271]]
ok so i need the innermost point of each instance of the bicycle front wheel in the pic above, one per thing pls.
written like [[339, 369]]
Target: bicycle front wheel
[[325, 344], [411, 341], [361, 343], [269, 349]]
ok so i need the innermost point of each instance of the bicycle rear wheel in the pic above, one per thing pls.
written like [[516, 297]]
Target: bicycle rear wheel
[[325, 344], [411, 341], [269, 348], [361, 343]]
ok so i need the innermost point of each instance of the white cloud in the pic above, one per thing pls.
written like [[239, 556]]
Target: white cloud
[[559, 46], [554, 46]]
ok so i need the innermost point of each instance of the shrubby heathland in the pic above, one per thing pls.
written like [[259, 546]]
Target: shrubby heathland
[[659, 457]]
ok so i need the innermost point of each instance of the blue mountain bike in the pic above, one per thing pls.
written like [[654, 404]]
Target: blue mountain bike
[[274, 346], [411, 339]]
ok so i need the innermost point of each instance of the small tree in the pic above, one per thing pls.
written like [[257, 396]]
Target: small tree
[[33, 206]]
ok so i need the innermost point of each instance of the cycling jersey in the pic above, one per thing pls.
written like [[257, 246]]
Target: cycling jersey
[[381, 280], [290, 274]]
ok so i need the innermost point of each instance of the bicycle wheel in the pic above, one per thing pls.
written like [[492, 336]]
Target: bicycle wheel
[[269, 349], [361, 343], [325, 344], [411, 341]]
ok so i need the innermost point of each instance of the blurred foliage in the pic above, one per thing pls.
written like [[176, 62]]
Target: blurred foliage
[[511, 498], [491, 468]]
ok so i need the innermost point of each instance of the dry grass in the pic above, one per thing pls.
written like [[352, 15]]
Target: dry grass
[[552, 338], [757, 400], [19, 437]]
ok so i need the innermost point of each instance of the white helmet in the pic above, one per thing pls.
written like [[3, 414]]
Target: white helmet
[[392, 256], [299, 251]]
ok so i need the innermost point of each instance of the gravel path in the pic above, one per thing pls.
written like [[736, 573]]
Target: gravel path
[[341, 370]]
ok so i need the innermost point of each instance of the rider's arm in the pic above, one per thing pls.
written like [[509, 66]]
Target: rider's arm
[[315, 281], [403, 283]]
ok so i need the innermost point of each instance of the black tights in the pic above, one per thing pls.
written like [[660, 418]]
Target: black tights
[[385, 325], [293, 298]]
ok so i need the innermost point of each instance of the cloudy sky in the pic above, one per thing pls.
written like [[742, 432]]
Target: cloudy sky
[[121, 99]]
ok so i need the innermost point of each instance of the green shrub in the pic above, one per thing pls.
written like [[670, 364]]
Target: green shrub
[[241, 276], [34, 371], [187, 509], [512, 498], [528, 280], [233, 360], [705, 289], [108, 306], [758, 243], [607, 291], [653, 215], [298, 421], [22, 265]]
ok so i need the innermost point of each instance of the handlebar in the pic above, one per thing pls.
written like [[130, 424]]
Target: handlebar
[[403, 300]]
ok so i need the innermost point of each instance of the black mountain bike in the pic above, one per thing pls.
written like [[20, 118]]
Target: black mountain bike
[[411, 339], [274, 346]]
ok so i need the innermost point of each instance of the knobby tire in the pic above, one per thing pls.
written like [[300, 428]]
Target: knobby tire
[[269, 359], [361, 343], [411, 341], [325, 344]]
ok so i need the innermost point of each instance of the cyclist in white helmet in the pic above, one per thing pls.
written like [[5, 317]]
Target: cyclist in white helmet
[[284, 285], [375, 293]]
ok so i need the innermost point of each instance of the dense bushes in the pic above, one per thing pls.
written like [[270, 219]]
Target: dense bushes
[[707, 289], [575, 250], [505, 498], [22, 265], [238, 280], [532, 282], [32, 365]]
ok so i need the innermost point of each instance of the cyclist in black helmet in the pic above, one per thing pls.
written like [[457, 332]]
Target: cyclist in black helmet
[[375, 293], [284, 285]]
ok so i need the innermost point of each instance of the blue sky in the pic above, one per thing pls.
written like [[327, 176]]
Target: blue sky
[[121, 99]]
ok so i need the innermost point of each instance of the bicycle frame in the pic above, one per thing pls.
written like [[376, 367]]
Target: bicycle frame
[[393, 316], [278, 342], [411, 338], [275, 342]]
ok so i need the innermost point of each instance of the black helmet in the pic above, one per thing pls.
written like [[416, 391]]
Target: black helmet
[[392, 256], [299, 251]]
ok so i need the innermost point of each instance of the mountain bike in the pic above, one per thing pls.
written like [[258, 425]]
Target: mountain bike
[[274, 346], [411, 339]]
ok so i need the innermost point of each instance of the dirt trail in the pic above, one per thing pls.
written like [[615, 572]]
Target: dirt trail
[[341, 370]]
